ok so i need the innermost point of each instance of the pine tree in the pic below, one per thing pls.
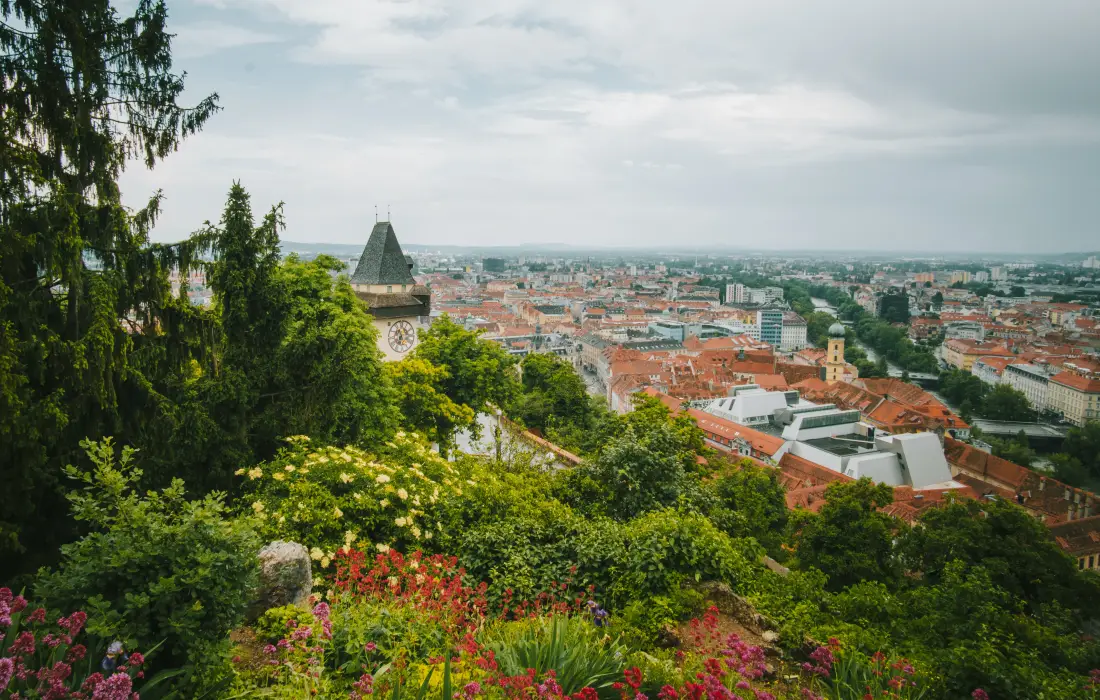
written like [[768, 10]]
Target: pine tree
[[84, 298]]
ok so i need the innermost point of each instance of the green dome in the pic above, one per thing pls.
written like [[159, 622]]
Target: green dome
[[836, 331]]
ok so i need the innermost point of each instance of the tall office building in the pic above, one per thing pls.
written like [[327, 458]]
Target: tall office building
[[770, 323]]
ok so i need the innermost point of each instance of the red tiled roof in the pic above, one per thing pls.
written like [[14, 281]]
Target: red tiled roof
[[1078, 537], [760, 442], [799, 473], [1076, 381]]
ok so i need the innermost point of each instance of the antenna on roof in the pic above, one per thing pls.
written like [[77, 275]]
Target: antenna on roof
[[376, 213], [387, 212]]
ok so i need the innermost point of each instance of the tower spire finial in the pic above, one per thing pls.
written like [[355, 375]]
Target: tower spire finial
[[387, 212], [376, 213]]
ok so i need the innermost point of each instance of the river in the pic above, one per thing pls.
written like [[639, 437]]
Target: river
[[823, 305]]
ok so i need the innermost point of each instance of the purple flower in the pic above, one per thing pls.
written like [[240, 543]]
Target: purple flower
[[116, 687]]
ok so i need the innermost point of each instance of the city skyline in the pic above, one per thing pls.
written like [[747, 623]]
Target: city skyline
[[787, 125]]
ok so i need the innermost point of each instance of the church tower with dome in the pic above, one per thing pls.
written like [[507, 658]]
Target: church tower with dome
[[383, 278], [835, 366]]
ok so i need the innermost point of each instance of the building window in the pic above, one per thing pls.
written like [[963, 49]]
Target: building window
[[1081, 563], [389, 289], [1090, 560], [402, 288]]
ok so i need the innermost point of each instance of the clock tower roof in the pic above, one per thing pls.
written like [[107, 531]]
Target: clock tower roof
[[382, 261]]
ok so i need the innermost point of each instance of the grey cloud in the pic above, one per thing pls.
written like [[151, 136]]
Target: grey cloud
[[771, 123]]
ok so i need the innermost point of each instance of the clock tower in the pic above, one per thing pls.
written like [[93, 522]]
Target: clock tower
[[835, 366], [383, 279]]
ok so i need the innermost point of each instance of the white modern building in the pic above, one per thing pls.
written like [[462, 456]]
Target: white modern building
[[837, 439]]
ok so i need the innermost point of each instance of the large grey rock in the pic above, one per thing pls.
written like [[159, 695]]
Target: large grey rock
[[286, 576]]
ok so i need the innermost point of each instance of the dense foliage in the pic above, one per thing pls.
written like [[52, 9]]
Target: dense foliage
[[976, 398], [155, 569], [459, 576], [83, 91]]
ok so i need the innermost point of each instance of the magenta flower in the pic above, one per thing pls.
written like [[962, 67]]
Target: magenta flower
[[979, 694], [116, 687], [362, 688], [73, 623], [23, 644], [7, 668], [371, 647]]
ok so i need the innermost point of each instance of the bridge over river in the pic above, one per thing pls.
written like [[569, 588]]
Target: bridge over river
[[1036, 432]]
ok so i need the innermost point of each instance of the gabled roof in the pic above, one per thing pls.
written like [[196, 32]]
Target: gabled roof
[[761, 442], [382, 261]]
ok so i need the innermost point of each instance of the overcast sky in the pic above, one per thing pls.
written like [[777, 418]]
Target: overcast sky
[[872, 124]]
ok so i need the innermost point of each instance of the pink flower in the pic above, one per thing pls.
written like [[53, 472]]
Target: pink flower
[[92, 681], [979, 694], [370, 647], [23, 644], [301, 633], [136, 659], [73, 623], [117, 687], [38, 616], [7, 668], [76, 653], [363, 687]]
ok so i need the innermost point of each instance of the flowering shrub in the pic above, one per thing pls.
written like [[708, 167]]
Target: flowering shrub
[[329, 498], [293, 666], [155, 569], [43, 659]]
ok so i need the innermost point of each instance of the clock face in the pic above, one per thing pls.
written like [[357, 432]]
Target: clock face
[[402, 336]]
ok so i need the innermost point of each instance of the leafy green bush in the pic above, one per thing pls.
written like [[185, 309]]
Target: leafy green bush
[[274, 624], [155, 568], [643, 621], [578, 652], [668, 546], [539, 545]]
